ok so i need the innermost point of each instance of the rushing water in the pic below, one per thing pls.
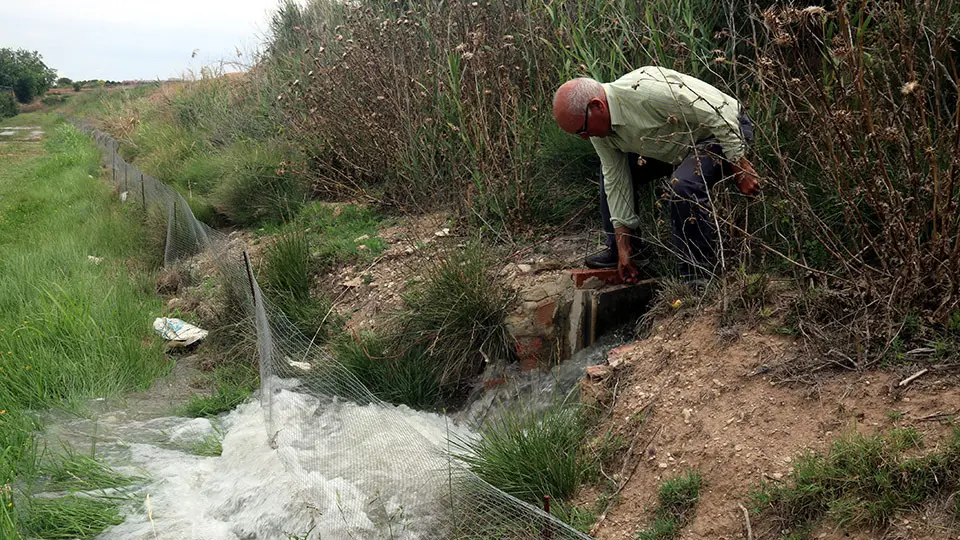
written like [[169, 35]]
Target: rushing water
[[260, 488]]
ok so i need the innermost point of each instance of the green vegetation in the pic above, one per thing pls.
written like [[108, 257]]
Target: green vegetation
[[862, 481], [676, 498], [531, 454], [68, 517], [25, 72], [457, 314], [71, 327], [452, 323], [211, 445], [409, 377], [233, 382]]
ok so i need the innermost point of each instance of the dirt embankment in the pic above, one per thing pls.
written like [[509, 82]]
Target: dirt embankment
[[712, 403]]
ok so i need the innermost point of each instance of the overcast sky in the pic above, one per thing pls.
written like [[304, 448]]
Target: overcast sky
[[133, 39]]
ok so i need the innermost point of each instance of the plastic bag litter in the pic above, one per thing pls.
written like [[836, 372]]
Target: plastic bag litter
[[177, 332]]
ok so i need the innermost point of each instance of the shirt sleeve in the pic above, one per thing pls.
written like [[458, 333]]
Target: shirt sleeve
[[617, 184]]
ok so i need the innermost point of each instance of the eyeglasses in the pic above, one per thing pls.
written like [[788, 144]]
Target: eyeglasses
[[586, 118]]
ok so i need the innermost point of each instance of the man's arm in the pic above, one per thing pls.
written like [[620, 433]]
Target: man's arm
[[618, 185]]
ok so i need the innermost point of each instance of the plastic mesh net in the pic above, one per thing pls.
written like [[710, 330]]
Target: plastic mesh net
[[369, 468]]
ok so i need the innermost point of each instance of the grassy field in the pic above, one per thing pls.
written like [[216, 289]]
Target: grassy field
[[76, 302]]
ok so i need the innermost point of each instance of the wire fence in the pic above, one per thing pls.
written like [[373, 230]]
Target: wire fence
[[370, 469]]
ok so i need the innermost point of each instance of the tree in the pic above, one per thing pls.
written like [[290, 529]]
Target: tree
[[77, 86], [26, 73], [64, 82]]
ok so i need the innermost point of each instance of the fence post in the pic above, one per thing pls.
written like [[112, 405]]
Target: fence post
[[249, 268], [126, 186], [143, 194]]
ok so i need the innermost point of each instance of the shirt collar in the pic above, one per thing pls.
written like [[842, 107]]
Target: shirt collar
[[616, 118]]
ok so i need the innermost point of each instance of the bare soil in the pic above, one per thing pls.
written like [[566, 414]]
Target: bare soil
[[713, 404]]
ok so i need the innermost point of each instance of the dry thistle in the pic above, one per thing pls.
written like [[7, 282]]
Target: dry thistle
[[909, 88]]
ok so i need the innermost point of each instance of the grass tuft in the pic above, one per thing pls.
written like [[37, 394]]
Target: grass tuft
[[211, 446], [68, 517], [862, 481], [235, 383], [677, 498], [530, 454], [457, 314], [408, 377]]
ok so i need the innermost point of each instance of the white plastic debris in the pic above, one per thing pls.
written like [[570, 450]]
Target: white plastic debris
[[94, 259], [123, 196], [303, 366], [177, 332]]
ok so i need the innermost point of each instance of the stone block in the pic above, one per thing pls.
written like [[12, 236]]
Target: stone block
[[530, 351], [609, 276]]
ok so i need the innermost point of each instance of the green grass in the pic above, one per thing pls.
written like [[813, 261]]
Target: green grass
[[458, 314], [409, 377], [336, 232], [676, 499], [529, 455], [72, 471], [287, 275], [70, 329], [211, 445], [234, 383], [862, 481], [69, 517]]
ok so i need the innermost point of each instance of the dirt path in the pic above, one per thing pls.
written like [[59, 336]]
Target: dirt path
[[716, 407]]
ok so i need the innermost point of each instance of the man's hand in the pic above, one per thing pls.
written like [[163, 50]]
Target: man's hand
[[628, 272], [746, 177]]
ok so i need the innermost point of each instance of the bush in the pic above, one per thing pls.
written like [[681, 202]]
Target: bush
[[8, 105]]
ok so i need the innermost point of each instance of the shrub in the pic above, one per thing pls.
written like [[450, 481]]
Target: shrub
[[8, 105]]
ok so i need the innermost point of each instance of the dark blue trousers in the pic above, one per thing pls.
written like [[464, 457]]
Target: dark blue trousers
[[687, 193]]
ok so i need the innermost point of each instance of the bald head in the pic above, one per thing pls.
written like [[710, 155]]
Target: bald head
[[570, 105]]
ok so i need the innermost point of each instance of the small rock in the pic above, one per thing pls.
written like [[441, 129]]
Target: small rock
[[546, 264], [525, 268], [94, 260], [737, 448], [662, 465], [686, 416], [598, 372], [442, 232], [355, 282], [361, 238], [361, 247]]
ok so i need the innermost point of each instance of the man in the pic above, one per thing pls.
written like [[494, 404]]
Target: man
[[651, 123]]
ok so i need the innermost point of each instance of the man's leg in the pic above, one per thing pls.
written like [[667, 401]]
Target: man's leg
[[694, 231]]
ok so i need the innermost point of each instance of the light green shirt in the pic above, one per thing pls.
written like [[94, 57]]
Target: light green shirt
[[661, 114]]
